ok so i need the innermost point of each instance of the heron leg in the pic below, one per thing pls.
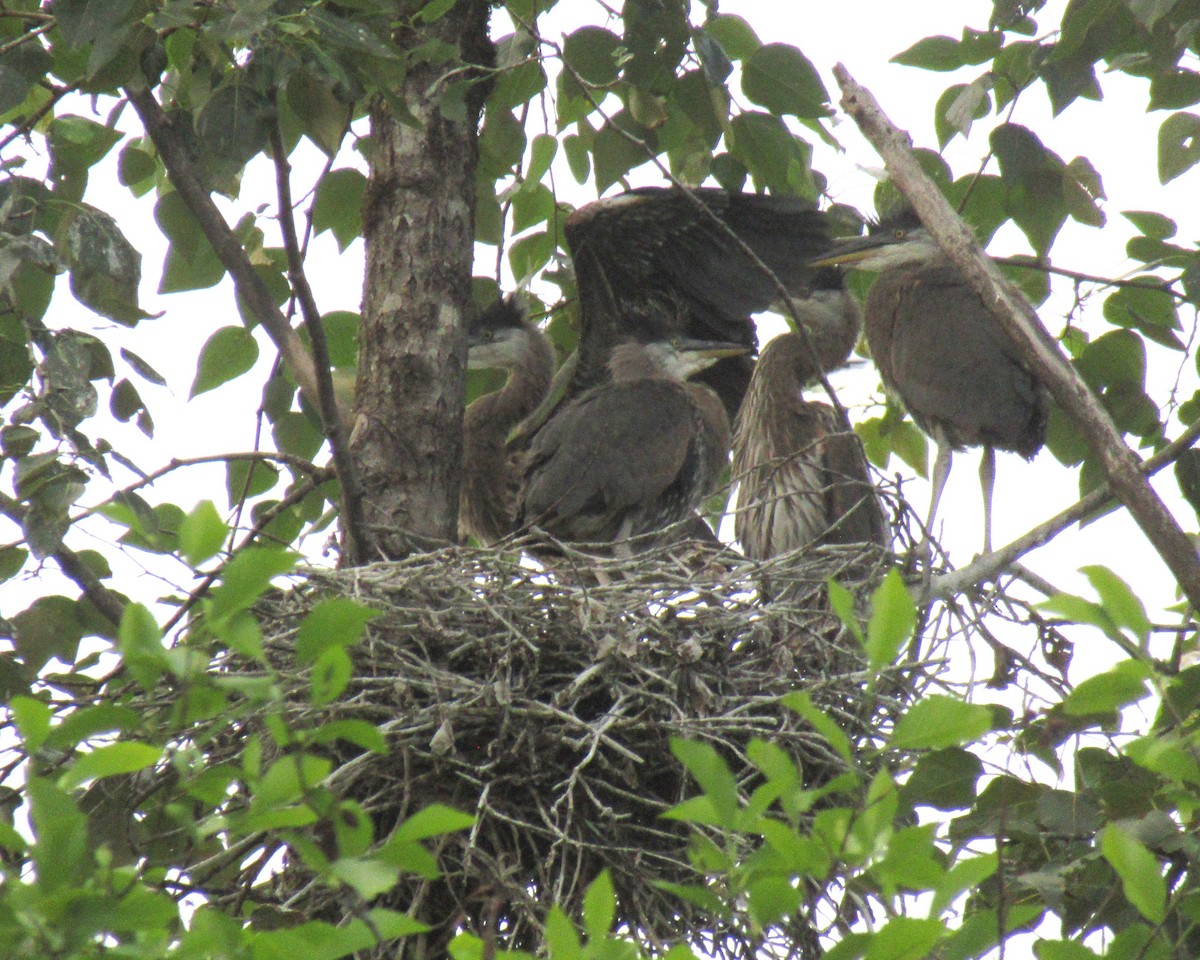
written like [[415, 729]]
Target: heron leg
[[941, 472], [987, 481]]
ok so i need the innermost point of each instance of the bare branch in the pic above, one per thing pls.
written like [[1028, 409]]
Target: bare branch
[[110, 604], [1120, 465], [229, 250], [354, 525]]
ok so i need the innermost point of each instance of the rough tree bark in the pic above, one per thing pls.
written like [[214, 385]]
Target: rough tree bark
[[419, 229]]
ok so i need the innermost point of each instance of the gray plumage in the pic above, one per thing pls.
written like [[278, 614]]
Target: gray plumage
[[501, 337], [630, 456], [939, 349]]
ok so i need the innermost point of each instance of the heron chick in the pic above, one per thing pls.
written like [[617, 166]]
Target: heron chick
[[801, 474], [939, 349], [500, 337], [634, 455]]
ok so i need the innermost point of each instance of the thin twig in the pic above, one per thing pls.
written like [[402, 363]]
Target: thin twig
[[250, 286], [354, 526], [110, 604]]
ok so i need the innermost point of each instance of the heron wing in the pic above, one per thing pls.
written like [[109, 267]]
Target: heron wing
[[954, 367], [651, 258], [616, 448]]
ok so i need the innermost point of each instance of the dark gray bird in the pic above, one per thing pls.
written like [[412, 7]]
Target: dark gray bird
[[500, 337], [633, 455], [658, 258], [648, 263], [941, 351], [801, 475]]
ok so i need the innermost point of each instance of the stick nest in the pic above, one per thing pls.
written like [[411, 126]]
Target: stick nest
[[547, 709]]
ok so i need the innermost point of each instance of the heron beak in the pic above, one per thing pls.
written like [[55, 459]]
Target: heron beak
[[712, 349], [855, 250]]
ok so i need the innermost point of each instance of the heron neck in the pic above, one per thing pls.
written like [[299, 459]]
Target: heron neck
[[788, 361], [527, 384]]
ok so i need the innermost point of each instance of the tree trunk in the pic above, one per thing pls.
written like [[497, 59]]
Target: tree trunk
[[420, 230]]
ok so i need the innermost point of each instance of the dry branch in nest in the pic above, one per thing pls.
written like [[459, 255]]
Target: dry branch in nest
[[546, 709]]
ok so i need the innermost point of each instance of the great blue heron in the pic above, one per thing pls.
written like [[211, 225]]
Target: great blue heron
[[801, 477], [940, 350], [648, 263], [633, 455], [500, 337]]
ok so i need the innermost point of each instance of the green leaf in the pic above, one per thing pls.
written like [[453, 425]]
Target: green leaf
[[562, 940], [433, 821], [825, 725], [105, 267], [227, 354], [323, 116], [939, 721], [368, 877], [338, 621], [32, 718], [1035, 184], [202, 533], [248, 479], [50, 627], [78, 143], [1110, 691], [959, 106], [1063, 950], [1139, 870], [339, 204], [246, 577], [905, 938], [1152, 224], [1178, 145], [842, 601], [191, 262], [782, 79], [775, 158], [331, 673], [60, 853], [140, 642], [736, 37], [358, 732], [542, 151], [965, 875], [773, 898], [599, 907], [578, 158], [712, 773], [592, 53], [1119, 601], [109, 761], [893, 618], [317, 940], [944, 780]]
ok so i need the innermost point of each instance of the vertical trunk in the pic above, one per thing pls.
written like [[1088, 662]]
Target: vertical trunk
[[419, 228]]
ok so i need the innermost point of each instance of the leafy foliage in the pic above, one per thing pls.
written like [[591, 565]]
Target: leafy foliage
[[951, 810]]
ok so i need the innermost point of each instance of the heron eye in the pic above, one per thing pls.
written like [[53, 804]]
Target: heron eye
[[898, 234], [489, 335]]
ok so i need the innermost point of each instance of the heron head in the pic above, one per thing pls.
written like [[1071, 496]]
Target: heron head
[[496, 338], [897, 240], [675, 357]]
